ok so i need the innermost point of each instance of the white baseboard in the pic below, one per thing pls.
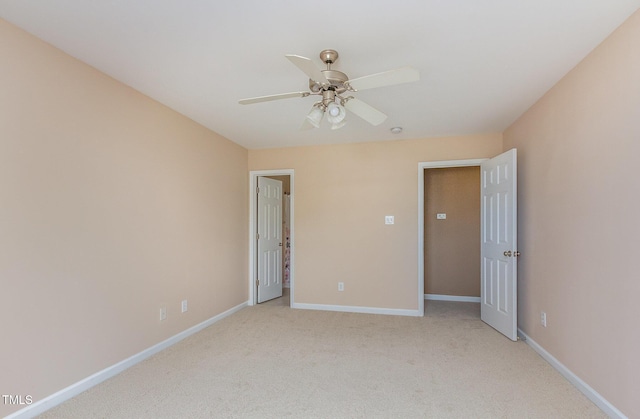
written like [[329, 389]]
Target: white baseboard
[[357, 309], [459, 298], [591, 394], [73, 390]]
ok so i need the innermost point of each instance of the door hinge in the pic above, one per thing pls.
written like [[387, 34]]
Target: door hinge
[[258, 190], [258, 236], [257, 282]]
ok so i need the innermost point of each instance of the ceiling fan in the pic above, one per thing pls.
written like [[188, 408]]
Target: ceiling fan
[[332, 85]]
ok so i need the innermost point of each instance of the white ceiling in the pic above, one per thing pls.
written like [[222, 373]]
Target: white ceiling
[[482, 62]]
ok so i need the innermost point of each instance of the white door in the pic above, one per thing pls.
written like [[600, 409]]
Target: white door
[[269, 227], [498, 292]]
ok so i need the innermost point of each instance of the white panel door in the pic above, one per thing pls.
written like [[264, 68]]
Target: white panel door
[[498, 293], [269, 227]]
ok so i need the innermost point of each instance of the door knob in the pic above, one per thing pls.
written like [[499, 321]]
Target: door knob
[[516, 253], [507, 253]]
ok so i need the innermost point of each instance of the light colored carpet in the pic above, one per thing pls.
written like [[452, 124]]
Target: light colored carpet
[[270, 361]]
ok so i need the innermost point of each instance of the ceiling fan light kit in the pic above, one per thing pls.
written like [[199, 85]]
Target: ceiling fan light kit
[[336, 113], [315, 116], [332, 84]]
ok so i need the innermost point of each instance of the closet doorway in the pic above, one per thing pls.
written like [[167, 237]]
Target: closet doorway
[[451, 234], [498, 238], [440, 288]]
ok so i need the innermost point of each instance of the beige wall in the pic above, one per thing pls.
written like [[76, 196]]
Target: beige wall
[[452, 246], [579, 200], [110, 205], [342, 194]]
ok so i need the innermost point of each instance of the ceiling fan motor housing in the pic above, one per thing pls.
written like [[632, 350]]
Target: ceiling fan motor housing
[[336, 78]]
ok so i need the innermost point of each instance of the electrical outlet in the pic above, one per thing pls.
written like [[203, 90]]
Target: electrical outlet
[[184, 306], [340, 286], [163, 313], [543, 319]]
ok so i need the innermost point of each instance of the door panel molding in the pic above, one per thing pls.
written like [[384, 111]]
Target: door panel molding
[[499, 243]]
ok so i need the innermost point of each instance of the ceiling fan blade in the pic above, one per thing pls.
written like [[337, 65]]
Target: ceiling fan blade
[[272, 97], [309, 68], [364, 111], [386, 78]]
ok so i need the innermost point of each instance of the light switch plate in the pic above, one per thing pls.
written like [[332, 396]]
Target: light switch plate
[[388, 219], [441, 216]]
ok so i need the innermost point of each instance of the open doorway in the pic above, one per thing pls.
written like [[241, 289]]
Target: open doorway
[[451, 242], [498, 238], [284, 244], [442, 241], [451, 234]]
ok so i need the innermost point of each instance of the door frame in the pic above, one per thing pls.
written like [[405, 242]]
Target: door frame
[[422, 166], [253, 248]]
